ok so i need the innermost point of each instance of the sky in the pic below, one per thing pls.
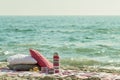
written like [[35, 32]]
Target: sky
[[59, 7]]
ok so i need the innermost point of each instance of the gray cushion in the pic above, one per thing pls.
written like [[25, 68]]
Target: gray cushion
[[23, 67]]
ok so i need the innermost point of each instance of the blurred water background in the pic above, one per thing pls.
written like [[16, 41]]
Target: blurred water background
[[93, 40]]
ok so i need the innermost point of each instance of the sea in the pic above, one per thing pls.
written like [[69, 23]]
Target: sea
[[93, 40]]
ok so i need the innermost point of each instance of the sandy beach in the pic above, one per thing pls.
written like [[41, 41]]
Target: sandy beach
[[66, 73]]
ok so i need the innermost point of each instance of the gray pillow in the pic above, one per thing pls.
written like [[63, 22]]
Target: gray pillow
[[23, 67]]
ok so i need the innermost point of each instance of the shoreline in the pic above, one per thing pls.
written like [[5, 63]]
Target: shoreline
[[69, 72]]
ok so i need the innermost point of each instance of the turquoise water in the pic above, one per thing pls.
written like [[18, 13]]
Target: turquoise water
[[94, 38]]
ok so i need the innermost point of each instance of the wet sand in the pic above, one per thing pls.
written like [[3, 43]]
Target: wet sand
[[67, 73]]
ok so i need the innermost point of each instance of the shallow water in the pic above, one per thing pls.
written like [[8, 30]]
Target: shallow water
[[79, 38]]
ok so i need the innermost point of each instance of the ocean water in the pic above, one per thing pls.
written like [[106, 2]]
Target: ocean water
[[76, 38]]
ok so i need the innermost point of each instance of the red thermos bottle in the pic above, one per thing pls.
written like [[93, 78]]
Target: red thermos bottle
[[56, 62]]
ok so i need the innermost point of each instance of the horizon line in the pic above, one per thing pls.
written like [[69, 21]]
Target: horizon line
[[61, 15]]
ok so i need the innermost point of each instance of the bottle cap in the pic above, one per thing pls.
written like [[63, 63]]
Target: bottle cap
[[55, 54]]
